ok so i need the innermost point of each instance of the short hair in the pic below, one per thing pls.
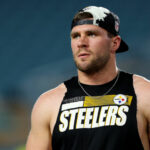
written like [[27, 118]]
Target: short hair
[[82, 16], [86, 15]]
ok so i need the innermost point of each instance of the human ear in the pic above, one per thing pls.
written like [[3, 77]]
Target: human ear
[[115, 43]]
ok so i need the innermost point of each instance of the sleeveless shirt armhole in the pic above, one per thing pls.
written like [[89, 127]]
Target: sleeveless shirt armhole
[[59, 110]]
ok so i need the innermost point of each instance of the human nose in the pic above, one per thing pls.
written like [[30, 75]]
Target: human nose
[[83, 41]]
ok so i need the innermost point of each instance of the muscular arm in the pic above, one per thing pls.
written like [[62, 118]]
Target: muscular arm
[[147, 111], [43, 119], [39, 136], [142, 89]]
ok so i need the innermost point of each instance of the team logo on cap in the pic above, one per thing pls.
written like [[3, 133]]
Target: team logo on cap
[[120, 99], [116, 26]]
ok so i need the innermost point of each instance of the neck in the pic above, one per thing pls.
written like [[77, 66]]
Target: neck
[[98, 78]]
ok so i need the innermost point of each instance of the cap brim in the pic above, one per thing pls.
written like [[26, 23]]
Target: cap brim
[[123, 47]]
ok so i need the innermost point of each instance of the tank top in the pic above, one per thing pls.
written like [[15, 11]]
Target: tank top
[[98, 123]]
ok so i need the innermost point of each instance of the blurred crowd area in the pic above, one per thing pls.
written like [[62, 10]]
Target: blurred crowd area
[[14, 121], [35, 54]]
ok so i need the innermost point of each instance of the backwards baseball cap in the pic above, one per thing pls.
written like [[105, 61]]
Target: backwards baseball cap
[[104, 18]]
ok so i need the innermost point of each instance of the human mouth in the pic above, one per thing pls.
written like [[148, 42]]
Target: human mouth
[[83, 55]]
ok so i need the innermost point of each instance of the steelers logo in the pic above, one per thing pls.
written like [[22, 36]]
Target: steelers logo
[[120, 99]]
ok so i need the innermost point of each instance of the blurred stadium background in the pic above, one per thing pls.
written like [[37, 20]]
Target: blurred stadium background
[[35, 54]]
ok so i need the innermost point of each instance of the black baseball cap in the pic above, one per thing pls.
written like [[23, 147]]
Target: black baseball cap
[[104, 18]]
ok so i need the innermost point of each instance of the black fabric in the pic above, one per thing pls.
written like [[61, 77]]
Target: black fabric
[[106, 137], [108, 23], [81, 22]]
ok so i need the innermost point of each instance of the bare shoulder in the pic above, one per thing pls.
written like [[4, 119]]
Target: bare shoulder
[[142, 90], [141, 84], [43, 118], [48, 102], [53, 95]]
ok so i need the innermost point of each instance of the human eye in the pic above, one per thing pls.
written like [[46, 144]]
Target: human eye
[[91, 34], [75, 35]]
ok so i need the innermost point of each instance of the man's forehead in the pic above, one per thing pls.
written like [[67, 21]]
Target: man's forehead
[[85, 28]]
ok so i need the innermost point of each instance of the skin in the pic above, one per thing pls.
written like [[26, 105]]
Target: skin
[[90, 46]]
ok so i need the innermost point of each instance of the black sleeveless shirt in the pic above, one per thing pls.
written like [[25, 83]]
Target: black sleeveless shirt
[[98, 123]]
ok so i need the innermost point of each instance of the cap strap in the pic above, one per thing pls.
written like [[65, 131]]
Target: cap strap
[[81, 22]]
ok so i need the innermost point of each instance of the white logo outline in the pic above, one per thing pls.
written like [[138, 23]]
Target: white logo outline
[[120, 99]]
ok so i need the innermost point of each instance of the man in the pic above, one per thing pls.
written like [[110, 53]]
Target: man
[[101, 109]]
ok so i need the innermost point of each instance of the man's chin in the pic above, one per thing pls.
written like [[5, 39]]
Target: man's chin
[[86, 69], [82, 67], [89, 68]]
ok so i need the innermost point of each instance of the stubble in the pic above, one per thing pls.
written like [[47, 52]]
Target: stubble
[[93, 64]]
